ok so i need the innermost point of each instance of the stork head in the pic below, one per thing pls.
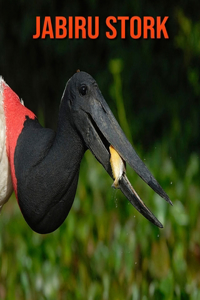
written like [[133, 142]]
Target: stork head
[[90, 115]]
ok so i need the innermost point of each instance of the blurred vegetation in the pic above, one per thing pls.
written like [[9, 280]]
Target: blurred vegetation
[[105, 249]]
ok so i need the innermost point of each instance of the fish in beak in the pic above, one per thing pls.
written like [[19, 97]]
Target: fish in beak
[[108, 143]]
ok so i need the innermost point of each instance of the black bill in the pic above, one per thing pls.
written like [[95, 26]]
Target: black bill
[[101, 130]]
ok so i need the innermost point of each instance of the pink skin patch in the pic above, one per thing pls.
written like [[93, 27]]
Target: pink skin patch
[[15, 116]]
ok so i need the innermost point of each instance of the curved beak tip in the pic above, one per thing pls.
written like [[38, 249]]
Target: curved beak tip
[[160, 225]]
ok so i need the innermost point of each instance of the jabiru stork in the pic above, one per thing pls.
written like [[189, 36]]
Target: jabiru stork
[[42, 166]]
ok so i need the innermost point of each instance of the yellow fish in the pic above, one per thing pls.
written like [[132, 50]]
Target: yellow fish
[[117, 165]]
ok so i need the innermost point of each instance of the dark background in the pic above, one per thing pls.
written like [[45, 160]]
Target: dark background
[[105, 249]]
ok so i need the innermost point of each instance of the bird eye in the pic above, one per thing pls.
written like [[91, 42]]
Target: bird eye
[[83, 90]]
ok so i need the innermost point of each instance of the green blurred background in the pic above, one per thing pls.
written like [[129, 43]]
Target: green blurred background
[[105, 249]]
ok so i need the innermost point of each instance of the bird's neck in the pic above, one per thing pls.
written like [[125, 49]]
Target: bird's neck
[[44, 164], [68, 143], [65, 148]]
